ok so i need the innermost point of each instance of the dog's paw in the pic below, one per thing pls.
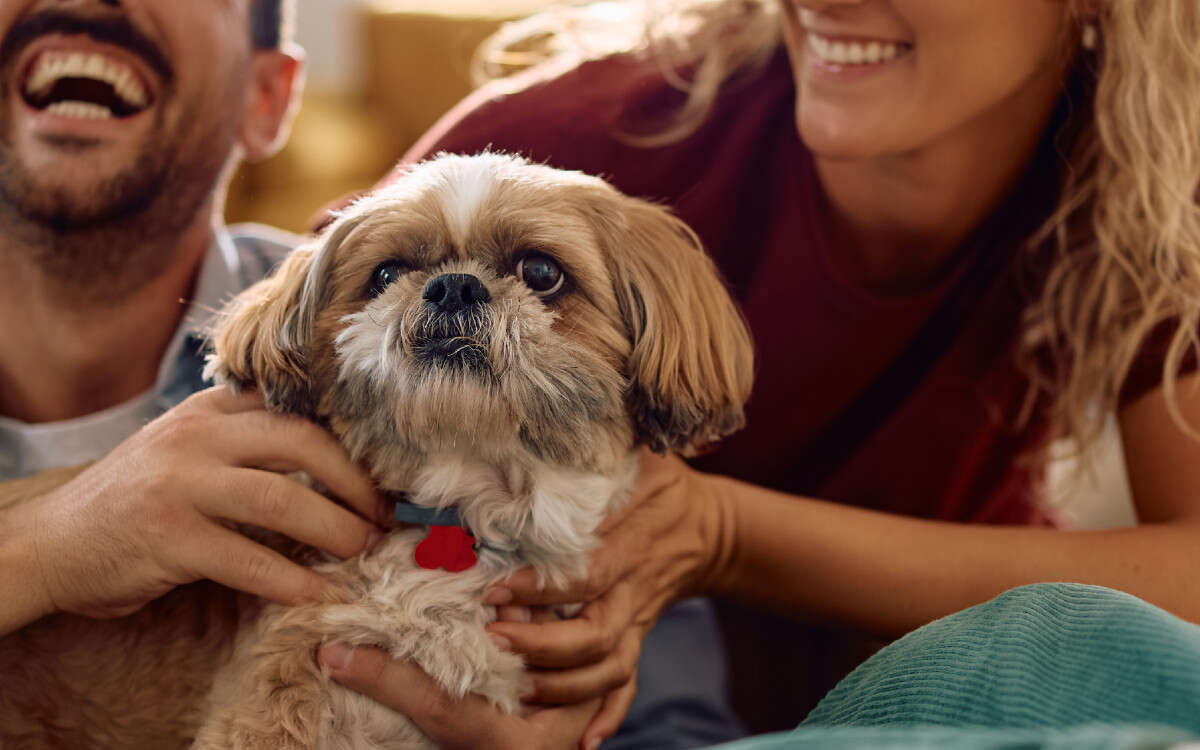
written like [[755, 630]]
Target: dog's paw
[[463, 659]]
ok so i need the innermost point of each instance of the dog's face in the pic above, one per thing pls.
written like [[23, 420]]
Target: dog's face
[[483, 302]]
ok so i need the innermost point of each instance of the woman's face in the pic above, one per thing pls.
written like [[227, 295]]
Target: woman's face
[[879, 77]]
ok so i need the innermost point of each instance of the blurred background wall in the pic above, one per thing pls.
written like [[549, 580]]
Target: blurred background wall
[[379, 73]]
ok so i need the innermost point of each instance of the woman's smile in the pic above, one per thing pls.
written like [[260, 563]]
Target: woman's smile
[[845, 48]]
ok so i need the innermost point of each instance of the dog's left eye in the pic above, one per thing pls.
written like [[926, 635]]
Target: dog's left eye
[[541, 273], [385, 274]]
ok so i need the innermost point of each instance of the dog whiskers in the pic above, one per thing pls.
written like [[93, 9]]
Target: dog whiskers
[[385, 346]]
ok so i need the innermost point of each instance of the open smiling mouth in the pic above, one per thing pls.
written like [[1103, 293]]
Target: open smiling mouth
[[85, 85]]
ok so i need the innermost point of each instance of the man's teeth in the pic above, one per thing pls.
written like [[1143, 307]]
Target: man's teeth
[[51, 67], [853, 53], [85, 110]]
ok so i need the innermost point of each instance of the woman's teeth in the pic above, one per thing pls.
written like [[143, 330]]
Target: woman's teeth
[[853, 53]]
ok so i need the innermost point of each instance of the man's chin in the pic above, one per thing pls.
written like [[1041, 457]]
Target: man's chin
[[86, 155], [68, 182]]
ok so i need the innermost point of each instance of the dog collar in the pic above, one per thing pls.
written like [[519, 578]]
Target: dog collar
[[448, 544], [418, 514]]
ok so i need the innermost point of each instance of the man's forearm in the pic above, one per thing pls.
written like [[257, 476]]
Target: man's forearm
[[889, 574], [14, 491], [22, 598], [21, 591]]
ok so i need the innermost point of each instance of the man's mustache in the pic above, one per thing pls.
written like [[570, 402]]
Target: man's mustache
[[115, 30]]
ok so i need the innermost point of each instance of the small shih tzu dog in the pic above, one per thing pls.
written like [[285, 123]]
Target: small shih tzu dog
[[493, 340]]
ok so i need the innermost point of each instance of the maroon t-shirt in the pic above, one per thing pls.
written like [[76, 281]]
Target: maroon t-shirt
[[748, 186]]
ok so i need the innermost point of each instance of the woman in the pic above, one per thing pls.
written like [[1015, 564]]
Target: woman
[[958, 230]]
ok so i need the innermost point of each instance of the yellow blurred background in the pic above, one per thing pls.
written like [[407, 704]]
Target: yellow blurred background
[[379, 73]]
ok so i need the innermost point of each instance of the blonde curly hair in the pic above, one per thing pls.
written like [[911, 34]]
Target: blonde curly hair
[[1124, 240]]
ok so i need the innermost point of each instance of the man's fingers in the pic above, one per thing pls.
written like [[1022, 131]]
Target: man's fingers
[[592, 681], [223, 399], [612, 712], [276, 502], [286, 444], [232, 560]]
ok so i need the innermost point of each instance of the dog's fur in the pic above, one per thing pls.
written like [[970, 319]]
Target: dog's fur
[[523, 412]]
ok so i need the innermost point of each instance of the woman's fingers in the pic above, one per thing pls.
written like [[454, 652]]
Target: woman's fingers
[[232, 560], [469, 722], [606, 568], [612, 712], [522, 588], [655, 475], [592, 681], [585, 639], [281, 504]]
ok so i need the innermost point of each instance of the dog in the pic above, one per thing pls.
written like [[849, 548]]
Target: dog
[[495, 341], [488, 335]]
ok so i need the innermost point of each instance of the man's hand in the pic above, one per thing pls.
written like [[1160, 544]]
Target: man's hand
[[468, 723], [659, 548], [162, 508]]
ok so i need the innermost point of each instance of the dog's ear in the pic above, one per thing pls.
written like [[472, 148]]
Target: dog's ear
[[263, 337], [692, 361]]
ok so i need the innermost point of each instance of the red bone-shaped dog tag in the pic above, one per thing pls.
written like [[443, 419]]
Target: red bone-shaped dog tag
[[449, 547]]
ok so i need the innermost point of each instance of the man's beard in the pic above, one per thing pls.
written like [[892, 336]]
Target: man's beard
[[98, 246]]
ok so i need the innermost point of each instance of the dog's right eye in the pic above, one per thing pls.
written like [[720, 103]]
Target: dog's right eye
[[385, 274]]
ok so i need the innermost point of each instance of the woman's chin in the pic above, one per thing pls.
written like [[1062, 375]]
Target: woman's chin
[[839, 137], [837, 147]]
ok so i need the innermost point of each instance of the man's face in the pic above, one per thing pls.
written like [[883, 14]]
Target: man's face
[[113, 109]]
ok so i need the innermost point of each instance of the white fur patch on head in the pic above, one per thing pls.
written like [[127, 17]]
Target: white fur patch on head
[[467, 188]]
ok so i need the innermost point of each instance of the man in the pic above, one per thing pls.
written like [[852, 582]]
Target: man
[[120, 123]]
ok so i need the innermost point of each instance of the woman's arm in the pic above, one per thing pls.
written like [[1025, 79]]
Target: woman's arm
[[891, 574], [688, 533]]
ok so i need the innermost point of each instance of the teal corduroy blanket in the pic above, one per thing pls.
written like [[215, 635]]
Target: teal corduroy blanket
[[1062, 666]]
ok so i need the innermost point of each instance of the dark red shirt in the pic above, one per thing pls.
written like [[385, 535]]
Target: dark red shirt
[[748, 186]]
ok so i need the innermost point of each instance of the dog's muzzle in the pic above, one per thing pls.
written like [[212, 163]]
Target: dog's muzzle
[[454, 327]]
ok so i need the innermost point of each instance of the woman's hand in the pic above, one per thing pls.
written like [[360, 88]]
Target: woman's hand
[[162, 508], [470, 722], [664, 545]]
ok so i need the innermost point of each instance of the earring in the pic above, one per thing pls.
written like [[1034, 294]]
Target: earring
[[1087, 37]]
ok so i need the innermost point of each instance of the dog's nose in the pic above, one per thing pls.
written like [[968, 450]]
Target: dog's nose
[[455, 291]]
